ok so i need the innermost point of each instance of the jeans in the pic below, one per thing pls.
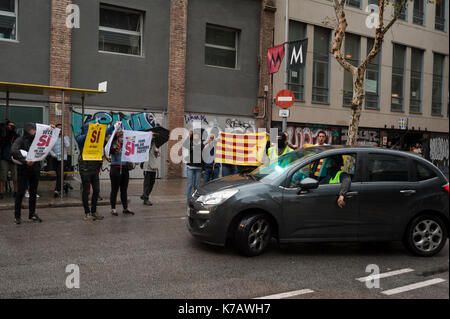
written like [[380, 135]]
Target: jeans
[[193, 179], [90, 177], [210, 173], [228, 170], [26, 177], [119, 180]]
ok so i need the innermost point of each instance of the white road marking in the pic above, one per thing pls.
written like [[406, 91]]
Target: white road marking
[[386, 274], [284, 98], [288, 294], [413, 286]]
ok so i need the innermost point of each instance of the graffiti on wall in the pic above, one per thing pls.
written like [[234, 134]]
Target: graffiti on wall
[[365, 137], [307, 135], [215, 124], [135, 121], [438, 149]]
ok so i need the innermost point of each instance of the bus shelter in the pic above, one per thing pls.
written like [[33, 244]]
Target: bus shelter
[[55, 91]]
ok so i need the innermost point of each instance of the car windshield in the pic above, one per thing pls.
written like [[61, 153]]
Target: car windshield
[[270, 171]]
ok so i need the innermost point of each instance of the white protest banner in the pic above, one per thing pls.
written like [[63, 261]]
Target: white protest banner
[[43, 142], [108, 145], [136, 146]]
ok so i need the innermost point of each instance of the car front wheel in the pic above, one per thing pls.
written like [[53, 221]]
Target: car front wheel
[[253, 235], [426, 235]]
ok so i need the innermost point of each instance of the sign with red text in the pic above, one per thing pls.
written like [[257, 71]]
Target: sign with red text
[[93, 145], [43, 142], [136, 146]]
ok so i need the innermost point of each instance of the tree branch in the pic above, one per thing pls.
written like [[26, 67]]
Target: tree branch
[[399, 12]]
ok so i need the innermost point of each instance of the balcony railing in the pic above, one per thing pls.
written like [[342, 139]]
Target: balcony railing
[[439, 23], [418, 17]]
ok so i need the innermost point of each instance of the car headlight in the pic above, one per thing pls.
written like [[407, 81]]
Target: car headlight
[[217, 198]]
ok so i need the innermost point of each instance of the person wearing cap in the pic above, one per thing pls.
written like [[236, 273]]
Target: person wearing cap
[[89, 173], [27, 172]]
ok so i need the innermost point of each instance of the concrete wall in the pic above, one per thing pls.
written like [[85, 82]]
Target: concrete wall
[[133, 81], [315, 12], [27, 59], [220, 90]]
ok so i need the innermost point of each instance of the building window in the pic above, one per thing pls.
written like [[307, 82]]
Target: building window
[[296, 79], [415, 99], [321, 60], [351, 55], [438, 85], [8, 19], [404, 14], [221, 47], [439, 18], [120, 30], [419, 12], [398, 75], [372, 78], [354, 3]]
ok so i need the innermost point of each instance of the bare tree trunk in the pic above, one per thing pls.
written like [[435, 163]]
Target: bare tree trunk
[[357, 103]]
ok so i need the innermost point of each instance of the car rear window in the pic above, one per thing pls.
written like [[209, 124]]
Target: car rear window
[[424, 173], [387, 168]]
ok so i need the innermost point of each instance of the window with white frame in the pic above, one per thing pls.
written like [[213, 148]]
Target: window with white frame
[[404, 14], [221, 47], [438, 84], [439, 18], [398, 77], [419, 12], [372, 85], [8, 19], [415, 99], [354, 3], [120, 30]]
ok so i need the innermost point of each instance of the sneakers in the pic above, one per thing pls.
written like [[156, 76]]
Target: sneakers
[[148, 203], [27, 194], [96, 216], [114, 212], [56, 194], [128, 212], [18, 221], [35, 218]]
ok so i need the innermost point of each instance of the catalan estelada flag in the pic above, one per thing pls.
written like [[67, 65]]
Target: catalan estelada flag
[[241, 149]]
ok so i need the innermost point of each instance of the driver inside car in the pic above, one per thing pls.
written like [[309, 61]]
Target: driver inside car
[[336, 175]]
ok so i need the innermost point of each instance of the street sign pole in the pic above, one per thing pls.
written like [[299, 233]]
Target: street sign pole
[[286, 45], [62, 146]]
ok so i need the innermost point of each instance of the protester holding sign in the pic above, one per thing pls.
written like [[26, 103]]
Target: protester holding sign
[[91, 142], [119, 175], [26, 152]]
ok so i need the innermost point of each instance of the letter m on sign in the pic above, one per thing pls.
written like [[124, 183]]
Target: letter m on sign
[[275, 56]]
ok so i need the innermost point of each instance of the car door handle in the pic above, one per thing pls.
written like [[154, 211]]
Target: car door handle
[[351, 194], [408, 191]]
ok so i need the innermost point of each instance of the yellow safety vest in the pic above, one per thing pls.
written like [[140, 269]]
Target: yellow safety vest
[[336, 179], [271, 150]]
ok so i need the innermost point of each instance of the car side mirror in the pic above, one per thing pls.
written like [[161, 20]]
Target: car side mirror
[[309, 183]]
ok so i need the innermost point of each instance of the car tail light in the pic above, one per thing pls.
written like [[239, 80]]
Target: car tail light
[[445, 187]]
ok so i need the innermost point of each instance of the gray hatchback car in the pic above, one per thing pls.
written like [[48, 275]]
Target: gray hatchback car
[[394, 196]]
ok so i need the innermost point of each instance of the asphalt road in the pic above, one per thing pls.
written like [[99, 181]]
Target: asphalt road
[[152, 255]]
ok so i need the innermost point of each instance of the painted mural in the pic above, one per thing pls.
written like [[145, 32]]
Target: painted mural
[[308, 134], [366, 137], [439, 153], [213, 123]]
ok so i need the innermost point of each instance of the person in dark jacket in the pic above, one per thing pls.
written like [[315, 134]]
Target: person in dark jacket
[[28, 172], [8, 135], [195, 163], [89, 173], [119, 175]]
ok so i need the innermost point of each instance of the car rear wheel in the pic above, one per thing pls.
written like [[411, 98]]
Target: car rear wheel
[[253, 235], [426, 235]]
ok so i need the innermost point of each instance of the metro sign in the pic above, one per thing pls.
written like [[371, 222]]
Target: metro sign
[[285, 99]]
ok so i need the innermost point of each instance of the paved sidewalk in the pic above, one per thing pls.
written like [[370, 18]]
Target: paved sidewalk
[[163, 191]]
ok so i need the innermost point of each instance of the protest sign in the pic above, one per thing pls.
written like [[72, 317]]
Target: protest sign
[[108, 145], [136, 146], [43, 142], [95, 139]]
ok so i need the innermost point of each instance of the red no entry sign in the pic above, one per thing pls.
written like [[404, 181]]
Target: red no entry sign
[[285, 99]]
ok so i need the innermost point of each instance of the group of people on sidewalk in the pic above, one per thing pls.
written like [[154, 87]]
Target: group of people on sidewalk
[[28, 172]]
